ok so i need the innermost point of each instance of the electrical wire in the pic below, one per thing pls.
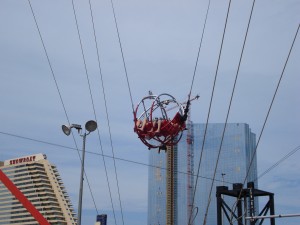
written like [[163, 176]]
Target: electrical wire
[[209, 110], [228, 112], [268, 113], [278, 162], [106, 156], [60, 96]]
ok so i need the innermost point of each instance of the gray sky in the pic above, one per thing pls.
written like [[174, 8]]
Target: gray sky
[[160, 41]]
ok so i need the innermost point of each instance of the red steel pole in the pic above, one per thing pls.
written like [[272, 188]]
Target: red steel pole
[[22, 199]]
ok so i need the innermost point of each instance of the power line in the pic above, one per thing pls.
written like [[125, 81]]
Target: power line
[[210, 105], [267, 116], [60, 96], [228, 112]]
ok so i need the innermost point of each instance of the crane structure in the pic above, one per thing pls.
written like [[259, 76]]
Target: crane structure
[[190, 165]]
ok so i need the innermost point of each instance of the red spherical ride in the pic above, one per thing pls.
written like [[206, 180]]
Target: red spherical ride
[[159, 121]]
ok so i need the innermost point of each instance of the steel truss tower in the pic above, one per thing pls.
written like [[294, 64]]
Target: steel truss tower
[[245, 196], [171, 185]]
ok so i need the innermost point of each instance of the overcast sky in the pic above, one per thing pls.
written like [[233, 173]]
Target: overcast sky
[[160, 42]]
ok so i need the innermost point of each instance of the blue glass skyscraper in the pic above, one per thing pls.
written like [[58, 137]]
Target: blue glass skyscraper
[[157, 189], [235, 156]]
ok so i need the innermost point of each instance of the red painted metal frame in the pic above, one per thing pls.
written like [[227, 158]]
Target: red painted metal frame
[[22, 199], [171, 129]]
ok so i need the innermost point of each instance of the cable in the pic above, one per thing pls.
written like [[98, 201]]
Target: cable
[[189, 96], [106, 108], [197, 210], [127, 79], [228, 112], [122, 53], [83, 58], [278, 162], [99, 154], [240, 217], [195, 69], [199, 49], [210, 104], [268, 113], [49, 63], [60, 96]]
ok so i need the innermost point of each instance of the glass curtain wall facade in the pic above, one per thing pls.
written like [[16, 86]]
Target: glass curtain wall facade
[[235, 156], [157, 196]]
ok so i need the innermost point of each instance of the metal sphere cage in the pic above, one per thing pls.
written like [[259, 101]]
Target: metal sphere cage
[[153, 108]]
